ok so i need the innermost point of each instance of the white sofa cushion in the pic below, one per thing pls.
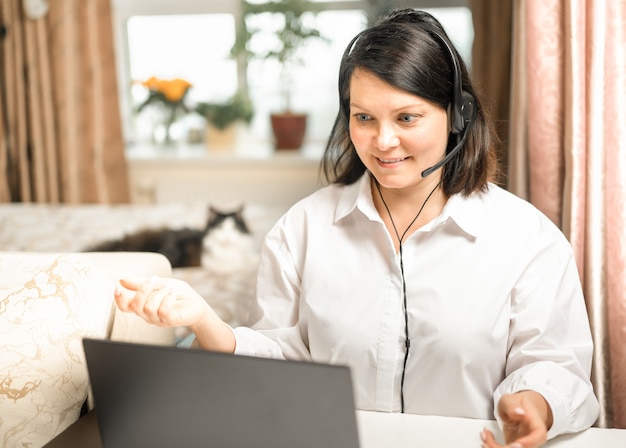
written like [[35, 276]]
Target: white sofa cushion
[[47, 305]]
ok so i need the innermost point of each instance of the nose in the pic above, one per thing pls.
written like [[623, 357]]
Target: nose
[[386, 138]]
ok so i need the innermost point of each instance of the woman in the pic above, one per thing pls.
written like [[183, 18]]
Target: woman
[[444, 293]]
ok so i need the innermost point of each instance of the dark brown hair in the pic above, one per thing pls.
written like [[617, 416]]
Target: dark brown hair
[[402, 51]]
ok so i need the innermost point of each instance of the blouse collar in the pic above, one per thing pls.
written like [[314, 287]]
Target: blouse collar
[[465, 212]]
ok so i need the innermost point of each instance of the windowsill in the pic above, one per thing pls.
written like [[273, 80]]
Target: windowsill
[[200, 153]]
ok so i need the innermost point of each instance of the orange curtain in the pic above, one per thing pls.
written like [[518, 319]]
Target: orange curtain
[[60, 127], [568, 157]]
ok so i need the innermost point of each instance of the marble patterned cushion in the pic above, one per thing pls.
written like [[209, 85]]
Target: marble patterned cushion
[[47, 304]]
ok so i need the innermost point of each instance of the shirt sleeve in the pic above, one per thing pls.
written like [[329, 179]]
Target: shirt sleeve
[[274, 329], [550, 345]]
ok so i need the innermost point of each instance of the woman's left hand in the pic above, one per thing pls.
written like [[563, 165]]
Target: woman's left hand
[[526, 418]]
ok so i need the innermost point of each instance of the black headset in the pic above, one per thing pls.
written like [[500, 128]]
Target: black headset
[[463, 106]]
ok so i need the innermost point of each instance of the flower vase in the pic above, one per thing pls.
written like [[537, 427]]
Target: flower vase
[[162, 135]]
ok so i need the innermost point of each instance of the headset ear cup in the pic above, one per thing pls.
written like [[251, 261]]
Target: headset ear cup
[[465, 112], [458, 122]]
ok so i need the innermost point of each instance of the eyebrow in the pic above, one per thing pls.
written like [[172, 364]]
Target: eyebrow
[[419, 104]]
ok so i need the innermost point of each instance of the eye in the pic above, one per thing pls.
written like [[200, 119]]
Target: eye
[[362, 117], [407, 118]]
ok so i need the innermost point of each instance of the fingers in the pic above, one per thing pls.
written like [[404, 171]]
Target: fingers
[[152, 299], [514, 416], [163, 301], [135, 283], [522, 423], [489, 441], [125, 292], [528, 432], [122, 298]]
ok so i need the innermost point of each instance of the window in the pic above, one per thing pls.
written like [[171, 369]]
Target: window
[[192, 47], [191, 39]]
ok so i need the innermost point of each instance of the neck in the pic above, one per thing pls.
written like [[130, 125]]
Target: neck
[[404, 213]]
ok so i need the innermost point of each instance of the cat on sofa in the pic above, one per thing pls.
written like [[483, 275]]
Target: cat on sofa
[[187, 247]]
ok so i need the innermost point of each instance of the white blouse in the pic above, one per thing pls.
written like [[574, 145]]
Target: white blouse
[[494, 299]]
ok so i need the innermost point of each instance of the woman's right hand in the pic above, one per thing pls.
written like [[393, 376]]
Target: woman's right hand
[[169, 302], [166, 302]]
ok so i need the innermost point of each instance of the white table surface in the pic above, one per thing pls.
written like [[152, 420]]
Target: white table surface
[[392, 430]]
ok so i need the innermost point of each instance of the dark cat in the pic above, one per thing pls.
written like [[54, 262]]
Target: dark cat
[[183, 247]]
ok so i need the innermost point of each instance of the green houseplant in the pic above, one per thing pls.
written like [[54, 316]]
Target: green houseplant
[[288, 126], [223, 114], [222, 117]]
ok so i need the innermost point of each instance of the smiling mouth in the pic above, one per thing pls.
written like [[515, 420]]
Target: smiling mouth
[[392, 160]]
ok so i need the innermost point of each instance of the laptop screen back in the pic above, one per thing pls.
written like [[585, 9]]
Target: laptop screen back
[[157, 396]]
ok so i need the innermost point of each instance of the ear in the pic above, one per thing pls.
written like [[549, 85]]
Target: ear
[[211, 218], [239, 212]]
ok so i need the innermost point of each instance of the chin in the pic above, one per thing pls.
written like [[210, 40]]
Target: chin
[[391, 182]]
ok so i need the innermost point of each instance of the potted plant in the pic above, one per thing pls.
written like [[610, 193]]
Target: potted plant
[[288, 126], [222, 118], [167, 96]]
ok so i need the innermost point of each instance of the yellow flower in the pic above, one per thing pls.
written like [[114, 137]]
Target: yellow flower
[[172, 89], [151, 83], [168, 92]]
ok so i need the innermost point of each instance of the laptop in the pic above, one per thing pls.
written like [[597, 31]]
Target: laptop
[[158, 396]]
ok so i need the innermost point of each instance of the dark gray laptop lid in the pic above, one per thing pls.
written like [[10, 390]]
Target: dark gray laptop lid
[[156, 396]]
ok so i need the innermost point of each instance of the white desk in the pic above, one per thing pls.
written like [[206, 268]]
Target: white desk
[[383, 430]]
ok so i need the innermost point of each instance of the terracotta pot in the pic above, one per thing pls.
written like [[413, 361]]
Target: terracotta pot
[[289, 130]]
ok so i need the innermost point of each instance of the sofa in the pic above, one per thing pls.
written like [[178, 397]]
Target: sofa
[[228, 288], [48, 302]]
